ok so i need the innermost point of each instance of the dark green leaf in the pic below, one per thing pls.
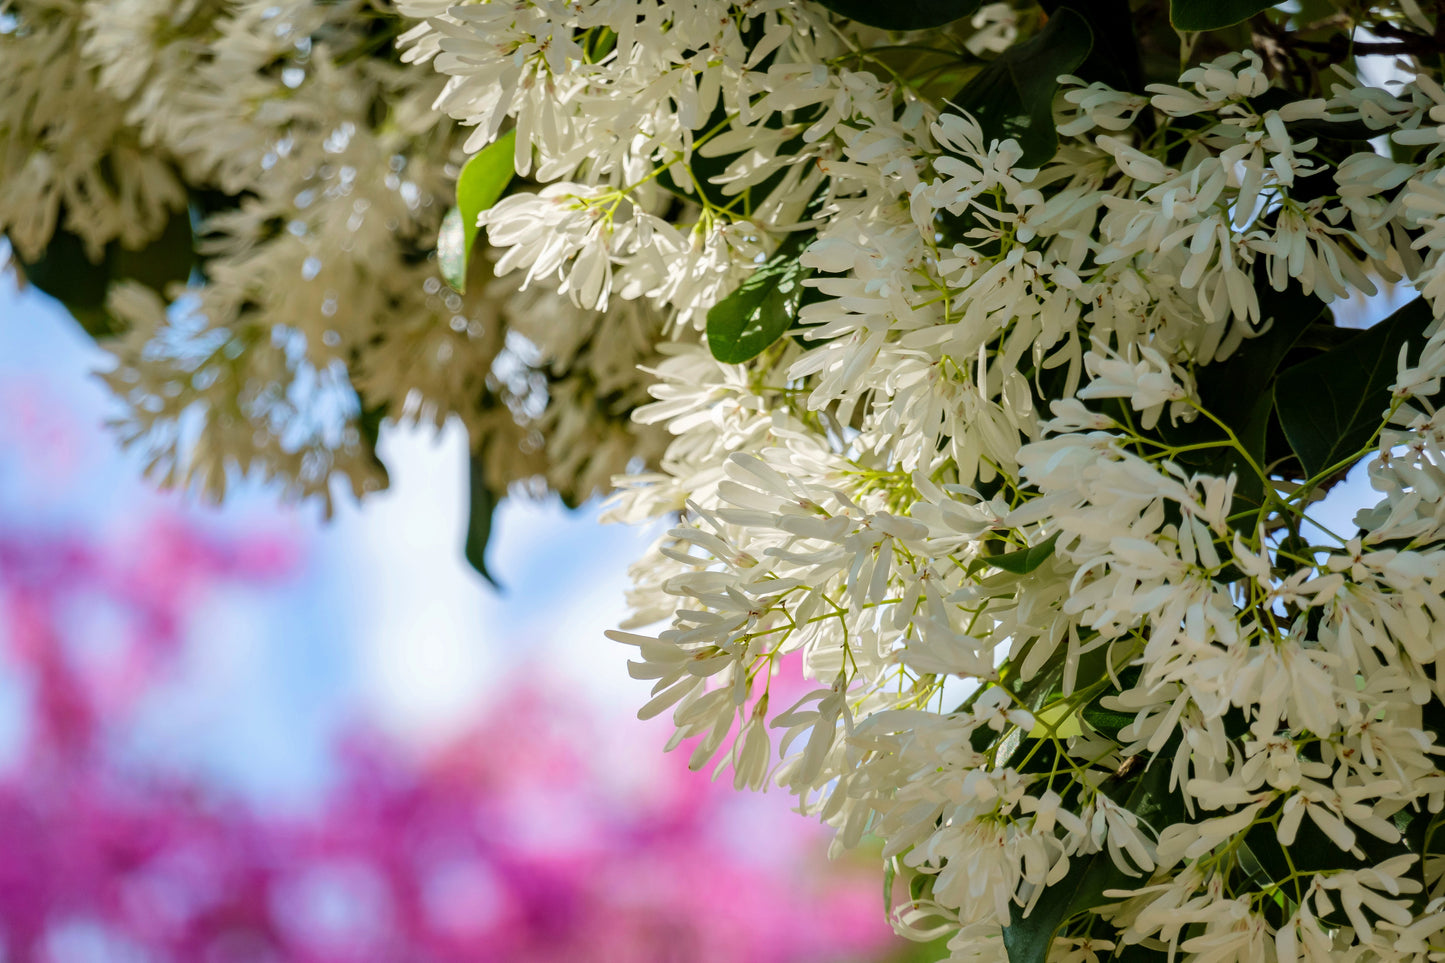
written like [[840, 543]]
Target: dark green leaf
[[1314, 852], [65, 272], [1348, 130], [480, 185], [368, 426], [1139, 953], [1141, 787], [1239, 391], [1114, 58], [1230, 388], [1214, 14], [1146, 794], [1025, 560], [484, 501], [742, 325], [1431, 843], [1106, 721], [167, 260], [1253, 434], [1332, 405], [1032, 693], [903, 14], [1432, 720], [1014, 95]]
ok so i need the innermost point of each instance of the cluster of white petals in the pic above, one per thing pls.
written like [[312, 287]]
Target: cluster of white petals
[[313, 172], [1015, 619]]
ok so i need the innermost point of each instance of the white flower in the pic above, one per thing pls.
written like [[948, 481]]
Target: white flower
[[1149, 383]]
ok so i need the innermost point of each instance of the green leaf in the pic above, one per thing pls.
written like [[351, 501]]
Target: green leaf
[[1346, 130], [484, 501], [1114, 57], [742, 325], [1032, 693], [1013, 97], [1027, 939], [1139, 953], [1214, 14], [1315, 852], [1332, 405], [1230, 388], [1106, 721], [903, 14], [920, 886], [480, 185], [1025, 560], [368, 426], [66, 273]]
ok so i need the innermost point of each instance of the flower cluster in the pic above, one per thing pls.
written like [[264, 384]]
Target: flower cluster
[[241, 200], [1031, 483]]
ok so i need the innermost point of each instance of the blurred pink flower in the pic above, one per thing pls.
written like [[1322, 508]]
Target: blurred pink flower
[[508, 845]]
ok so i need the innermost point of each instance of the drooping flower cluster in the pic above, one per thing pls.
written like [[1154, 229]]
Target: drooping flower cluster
[[241, 199], [1055, 425]]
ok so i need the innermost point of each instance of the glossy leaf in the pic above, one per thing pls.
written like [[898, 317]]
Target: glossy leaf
[[1025, 560], [1213, 14], [480, 185], [1013, 97], [903, 14], [1106, 721], [1332, 405], [745, 323]]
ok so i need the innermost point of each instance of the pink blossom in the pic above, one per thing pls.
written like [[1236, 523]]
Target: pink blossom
[[508, 845]]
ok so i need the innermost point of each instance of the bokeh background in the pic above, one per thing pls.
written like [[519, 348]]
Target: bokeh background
[[245, 735]]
